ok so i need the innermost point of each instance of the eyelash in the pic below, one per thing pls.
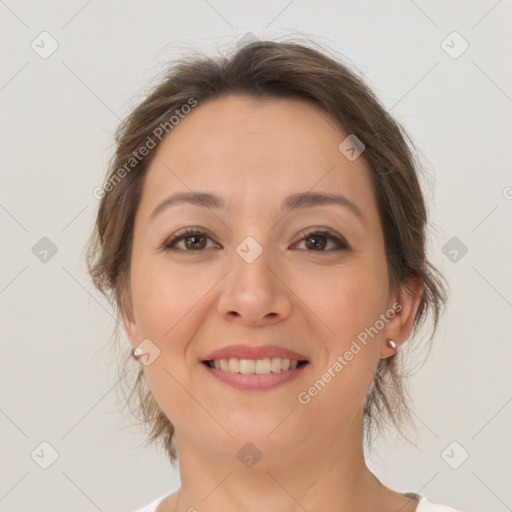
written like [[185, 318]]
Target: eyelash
[[169, 244]]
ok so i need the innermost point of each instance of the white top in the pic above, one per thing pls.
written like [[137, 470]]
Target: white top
[[423, 506]]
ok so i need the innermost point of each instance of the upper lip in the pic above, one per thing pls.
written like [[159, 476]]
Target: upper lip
[[254, 352]]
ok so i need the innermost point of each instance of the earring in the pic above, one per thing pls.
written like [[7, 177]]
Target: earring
[[136, 352], [391, 344]]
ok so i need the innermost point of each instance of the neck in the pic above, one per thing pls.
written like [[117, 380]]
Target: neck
[[326, 473]]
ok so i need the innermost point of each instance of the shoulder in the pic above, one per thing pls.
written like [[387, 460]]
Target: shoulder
[[151, 507], [426, 506]]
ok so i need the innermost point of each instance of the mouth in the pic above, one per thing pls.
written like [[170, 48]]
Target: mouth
[[255, 374], [255, 366]]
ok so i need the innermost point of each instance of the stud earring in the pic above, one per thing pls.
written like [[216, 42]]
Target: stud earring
[[391, 344], [136, 353]]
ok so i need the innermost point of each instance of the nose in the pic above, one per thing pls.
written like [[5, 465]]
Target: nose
[[255, 292]]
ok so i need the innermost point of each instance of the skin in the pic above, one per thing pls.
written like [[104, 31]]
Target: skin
[[253, 153]]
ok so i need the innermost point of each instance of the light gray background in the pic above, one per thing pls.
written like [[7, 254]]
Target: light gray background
[[57, 123]]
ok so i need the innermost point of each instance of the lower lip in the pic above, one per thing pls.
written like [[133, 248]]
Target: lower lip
[[255, 382]]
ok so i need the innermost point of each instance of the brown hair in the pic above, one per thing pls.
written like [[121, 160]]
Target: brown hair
[[270, 69]]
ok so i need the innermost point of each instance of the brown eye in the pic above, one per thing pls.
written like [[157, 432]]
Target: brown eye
[[317, 241], [196, 241], [193, 240]]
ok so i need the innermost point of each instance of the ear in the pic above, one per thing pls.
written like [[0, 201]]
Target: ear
[[128, 319], [405, 306]]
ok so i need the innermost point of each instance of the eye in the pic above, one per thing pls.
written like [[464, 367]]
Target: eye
[[194, 240], [318, 240]]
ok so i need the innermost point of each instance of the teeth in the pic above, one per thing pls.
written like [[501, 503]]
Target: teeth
[[255, 366]]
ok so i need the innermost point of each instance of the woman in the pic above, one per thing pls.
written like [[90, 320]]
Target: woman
[[262, 234]]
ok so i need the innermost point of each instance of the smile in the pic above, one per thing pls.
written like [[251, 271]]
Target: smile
[[255, 366], [255, 374]]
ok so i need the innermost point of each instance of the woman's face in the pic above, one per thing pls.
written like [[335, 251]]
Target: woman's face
[[259, 274]]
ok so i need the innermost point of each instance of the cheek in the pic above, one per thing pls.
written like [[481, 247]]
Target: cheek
[[346, 301], [349, 303], [166, 307], [341, 380], [161, 297]]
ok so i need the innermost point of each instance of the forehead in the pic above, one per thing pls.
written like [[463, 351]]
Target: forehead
[[252, 150]]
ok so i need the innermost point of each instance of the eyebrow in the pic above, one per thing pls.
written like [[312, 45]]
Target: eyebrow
[[292, 202]]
